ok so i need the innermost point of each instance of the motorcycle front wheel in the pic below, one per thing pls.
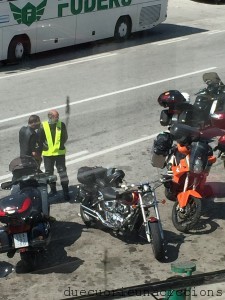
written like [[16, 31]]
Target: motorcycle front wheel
[[185, 220], [88, 220], [156, 241]]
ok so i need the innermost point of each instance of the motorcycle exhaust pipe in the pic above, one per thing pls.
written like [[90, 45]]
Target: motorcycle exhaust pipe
[[97, 216]]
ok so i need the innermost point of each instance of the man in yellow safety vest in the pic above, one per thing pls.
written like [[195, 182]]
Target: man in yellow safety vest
[[53, 136]]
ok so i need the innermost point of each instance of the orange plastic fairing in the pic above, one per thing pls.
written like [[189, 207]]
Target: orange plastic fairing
[[183, 197]]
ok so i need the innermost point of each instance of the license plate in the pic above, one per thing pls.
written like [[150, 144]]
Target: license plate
[[20, 240]]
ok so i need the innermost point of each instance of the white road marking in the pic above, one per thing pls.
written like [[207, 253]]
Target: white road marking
[[92, 155], [77, 154], [105, 151], [77, 61], [215, 31], [171, 41], [108, 94]]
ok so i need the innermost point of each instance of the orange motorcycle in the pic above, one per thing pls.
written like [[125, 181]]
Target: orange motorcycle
[[188, 166]]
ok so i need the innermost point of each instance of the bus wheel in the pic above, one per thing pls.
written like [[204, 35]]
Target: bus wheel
[[18, 47], [122, 29]]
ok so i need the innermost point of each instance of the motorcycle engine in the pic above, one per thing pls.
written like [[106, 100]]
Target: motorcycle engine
[[116, 212]]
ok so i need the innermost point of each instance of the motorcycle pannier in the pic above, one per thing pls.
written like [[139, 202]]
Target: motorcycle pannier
[[161, 146], [165, 118]]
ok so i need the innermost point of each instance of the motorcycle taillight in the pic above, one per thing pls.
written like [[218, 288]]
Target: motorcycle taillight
[[2, 213], [26, 204]]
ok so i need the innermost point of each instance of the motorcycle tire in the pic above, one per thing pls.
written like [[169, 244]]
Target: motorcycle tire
[[29, 260], [156, 241], [88, 220], [185, 221]]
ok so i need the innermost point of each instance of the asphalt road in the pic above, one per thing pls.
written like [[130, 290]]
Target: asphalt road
[[113, 90]]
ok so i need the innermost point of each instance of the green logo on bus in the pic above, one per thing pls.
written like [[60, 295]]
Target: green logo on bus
[[84, 6], [29, 13]]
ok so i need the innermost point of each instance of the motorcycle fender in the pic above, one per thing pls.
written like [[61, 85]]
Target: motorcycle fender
[[153, 220], [184, 196]]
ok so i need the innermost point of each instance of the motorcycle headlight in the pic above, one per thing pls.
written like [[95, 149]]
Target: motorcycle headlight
[[198, 166], [148, 199]]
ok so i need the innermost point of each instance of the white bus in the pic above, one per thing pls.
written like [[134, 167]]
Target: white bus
[[32, 26]]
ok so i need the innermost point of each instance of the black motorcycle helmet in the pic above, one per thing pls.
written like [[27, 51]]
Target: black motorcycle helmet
[[115, 177], [170, 98]]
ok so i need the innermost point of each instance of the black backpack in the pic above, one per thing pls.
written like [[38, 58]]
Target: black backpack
[[162, 144]]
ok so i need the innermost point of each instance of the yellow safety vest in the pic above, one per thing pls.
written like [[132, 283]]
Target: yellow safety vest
[[53, 149]]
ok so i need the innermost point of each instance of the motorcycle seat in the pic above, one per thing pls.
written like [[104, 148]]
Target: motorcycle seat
[[109, 193]]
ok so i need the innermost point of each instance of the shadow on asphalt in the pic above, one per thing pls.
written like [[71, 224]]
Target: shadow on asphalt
[[216, 189], [160, 33], [214, 2], [55, 259], [173, 241], [58, 198]]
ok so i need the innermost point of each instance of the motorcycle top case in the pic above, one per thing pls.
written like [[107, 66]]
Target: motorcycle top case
[[184, 134], [161, 146], [23, 165], [88, 175], [20, 205], [170, 98]]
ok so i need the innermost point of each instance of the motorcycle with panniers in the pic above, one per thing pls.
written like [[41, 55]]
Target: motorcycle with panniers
[[187, 164], [206, 111], [107, 200], [25, 212]]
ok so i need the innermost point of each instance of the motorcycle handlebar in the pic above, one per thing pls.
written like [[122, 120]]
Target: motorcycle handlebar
[[140, 186]]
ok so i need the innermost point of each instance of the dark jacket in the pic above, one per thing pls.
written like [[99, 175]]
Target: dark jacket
[[43, 140], [28, 140]]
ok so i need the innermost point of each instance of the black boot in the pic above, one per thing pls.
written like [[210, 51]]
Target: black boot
[[65, 188], [53, 191]]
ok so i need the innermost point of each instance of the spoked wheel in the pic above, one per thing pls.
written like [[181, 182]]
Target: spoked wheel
[[88, 220], [29, 260], [185, 220], [156, 241]]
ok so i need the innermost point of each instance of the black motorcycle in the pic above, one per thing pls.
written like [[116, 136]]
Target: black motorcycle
[[25, 212], [200, 113], [124, 209]]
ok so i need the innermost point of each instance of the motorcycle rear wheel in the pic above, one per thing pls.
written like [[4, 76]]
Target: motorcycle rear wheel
[[185, 221], [88, 220], [156, 241]]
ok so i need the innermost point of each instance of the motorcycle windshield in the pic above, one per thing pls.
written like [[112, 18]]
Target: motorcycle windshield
[[199, 156], [23, 165], [212, 78]]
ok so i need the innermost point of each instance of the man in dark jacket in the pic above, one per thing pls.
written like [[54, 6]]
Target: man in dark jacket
[[28, 138], [53, 136]]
